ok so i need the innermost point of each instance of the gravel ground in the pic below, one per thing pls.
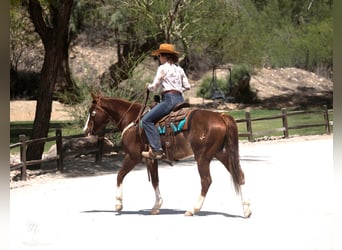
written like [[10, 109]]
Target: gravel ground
[[288, 182]]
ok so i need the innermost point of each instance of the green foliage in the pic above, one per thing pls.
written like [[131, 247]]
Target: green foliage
[[230, 86], [298, 35], [205, 90], [132, 89], [276, 33], [238, 72]]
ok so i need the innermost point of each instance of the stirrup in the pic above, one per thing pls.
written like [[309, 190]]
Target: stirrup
[[152, 154]]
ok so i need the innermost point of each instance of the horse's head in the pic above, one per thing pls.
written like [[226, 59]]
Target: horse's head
[[97, 117]]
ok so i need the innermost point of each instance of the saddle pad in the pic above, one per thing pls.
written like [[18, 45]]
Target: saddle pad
[[176, 127], [176, 120]]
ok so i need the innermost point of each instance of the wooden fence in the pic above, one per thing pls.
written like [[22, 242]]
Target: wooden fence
[[98, 150], [58, 138], [285, 125]]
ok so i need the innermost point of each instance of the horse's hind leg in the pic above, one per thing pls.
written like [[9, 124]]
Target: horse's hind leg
[[127, 166], [152, 166], [204, 171], [245, 204]]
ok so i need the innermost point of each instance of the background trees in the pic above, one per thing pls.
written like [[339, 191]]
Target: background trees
[[51, 22], [274, 33]]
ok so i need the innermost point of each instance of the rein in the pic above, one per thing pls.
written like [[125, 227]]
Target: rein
[[98, 105], [142, 107], [141, 111]]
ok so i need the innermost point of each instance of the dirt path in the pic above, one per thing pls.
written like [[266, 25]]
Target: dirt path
[[25, 111], [287, 181]]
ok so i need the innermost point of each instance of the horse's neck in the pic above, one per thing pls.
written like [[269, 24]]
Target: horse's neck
[[122, 112]]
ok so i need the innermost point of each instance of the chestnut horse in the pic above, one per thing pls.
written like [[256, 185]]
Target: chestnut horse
[[210, 135]]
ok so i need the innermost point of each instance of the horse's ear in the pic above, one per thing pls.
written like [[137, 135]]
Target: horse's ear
[[93, 96]]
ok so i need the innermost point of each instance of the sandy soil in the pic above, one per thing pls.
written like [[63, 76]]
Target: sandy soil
[[25, 111]]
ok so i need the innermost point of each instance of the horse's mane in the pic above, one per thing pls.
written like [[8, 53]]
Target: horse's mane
[[122, 101]]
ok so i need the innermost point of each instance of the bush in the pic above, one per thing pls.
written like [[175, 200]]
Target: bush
[[235, 85], [237, 73], [208, 87]]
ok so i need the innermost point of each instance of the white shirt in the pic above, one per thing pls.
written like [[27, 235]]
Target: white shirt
[[169, 77]]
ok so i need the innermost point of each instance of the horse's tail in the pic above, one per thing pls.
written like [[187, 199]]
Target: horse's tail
[[232, 146]]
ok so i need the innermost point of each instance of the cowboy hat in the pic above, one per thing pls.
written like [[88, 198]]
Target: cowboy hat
[[165, 48]]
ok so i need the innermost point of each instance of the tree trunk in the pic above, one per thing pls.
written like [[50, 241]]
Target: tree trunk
[[55, 40], [67, 90], [129, 54]]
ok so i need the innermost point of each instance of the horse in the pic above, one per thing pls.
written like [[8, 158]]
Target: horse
[[216, 136]]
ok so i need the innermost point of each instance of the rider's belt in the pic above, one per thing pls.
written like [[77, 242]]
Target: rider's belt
[[171, 91]]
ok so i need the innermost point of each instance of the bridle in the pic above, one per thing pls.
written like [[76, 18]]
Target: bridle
[[110, 118], [92, 118]]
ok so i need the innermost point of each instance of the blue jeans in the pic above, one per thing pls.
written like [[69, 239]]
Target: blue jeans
[[169, 101]]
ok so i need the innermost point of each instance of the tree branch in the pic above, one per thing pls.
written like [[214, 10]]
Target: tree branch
[[172, 18], [36, 13]]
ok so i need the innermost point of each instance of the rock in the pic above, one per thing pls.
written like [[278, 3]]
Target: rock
[[80, 146]]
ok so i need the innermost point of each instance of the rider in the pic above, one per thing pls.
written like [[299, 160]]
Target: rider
[[172, 81]]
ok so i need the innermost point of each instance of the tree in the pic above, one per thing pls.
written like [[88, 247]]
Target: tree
[[23, 41], [27, 55], [52, 25]]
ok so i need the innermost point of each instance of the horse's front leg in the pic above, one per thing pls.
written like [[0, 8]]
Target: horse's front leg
[[152, 166], [127, 166]]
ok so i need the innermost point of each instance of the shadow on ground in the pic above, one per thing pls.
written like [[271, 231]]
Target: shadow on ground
[[164, 211]]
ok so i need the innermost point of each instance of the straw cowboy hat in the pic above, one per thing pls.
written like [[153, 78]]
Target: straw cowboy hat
[[165, 48]]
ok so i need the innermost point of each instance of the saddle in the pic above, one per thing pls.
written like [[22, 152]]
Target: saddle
[[176, 121], [169, 126], [172, 124]]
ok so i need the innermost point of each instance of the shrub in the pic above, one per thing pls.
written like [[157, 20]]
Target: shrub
[[235, 85]]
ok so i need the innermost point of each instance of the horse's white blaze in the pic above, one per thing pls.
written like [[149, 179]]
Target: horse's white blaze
[[86, 124]]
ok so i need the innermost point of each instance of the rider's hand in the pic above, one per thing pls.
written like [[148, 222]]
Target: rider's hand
[[146, 85]]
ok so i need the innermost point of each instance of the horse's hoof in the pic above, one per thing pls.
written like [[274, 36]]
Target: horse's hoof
[[155, 211], [246, 210], [118, 207], [247, 213], [188, 213]]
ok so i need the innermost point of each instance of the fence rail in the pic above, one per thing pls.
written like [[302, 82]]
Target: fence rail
[[98, 150], [285, 126], [24, 142]]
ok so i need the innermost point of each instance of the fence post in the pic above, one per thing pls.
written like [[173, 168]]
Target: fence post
[[249, 126], [285, 124], [23, 148], [99, 153], [326, 119], [59, 148]]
